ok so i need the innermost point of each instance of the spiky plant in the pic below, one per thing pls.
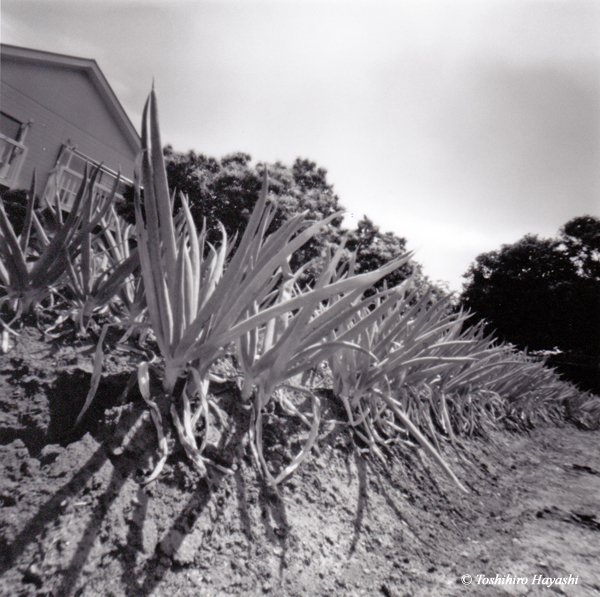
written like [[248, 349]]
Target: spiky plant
[[29, 276], [198, 301]]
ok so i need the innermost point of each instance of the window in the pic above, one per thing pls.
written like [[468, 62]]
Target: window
[[12, 148], [9, 126], [68, 175]]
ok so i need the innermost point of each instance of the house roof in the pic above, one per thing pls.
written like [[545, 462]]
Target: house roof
[[90, 68]]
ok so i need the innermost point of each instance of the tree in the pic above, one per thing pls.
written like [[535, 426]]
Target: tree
[[374, 249], [580, 238], [544, 294], [226, 190]]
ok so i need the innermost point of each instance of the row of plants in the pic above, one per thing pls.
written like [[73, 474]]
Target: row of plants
[[400, 363]]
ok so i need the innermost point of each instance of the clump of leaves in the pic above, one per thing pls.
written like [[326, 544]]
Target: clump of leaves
[[29, 274], [200, 299]]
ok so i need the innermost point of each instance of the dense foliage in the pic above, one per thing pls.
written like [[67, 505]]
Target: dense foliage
[[544, 295]]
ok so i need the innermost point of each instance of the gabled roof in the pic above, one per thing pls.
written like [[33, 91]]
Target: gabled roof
[[90, 68]]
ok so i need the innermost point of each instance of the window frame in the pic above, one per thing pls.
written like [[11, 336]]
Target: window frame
[[13, 153], [66, 180]]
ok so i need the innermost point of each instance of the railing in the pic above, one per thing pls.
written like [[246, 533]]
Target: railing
[[12, 156], [64, 181]]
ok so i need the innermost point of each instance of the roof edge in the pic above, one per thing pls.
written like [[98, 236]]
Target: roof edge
[[93, 71]]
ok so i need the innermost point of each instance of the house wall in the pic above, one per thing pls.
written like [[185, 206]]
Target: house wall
[[65, 108]]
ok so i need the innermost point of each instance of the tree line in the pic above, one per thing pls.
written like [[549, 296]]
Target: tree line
[[544, 295]]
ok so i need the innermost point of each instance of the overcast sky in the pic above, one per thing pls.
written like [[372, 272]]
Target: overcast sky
[[458, 125]]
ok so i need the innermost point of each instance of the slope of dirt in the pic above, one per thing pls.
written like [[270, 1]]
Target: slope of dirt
[[75, 519]]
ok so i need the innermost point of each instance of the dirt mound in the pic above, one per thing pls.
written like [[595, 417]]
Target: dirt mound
[[75, 519]]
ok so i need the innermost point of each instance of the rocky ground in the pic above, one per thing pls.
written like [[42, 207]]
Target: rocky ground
[[75, 520]]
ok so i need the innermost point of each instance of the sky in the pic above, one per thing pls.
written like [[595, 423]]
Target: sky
[[459, 125]]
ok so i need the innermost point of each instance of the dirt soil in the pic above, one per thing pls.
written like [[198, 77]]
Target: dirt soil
[[75, 519]]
